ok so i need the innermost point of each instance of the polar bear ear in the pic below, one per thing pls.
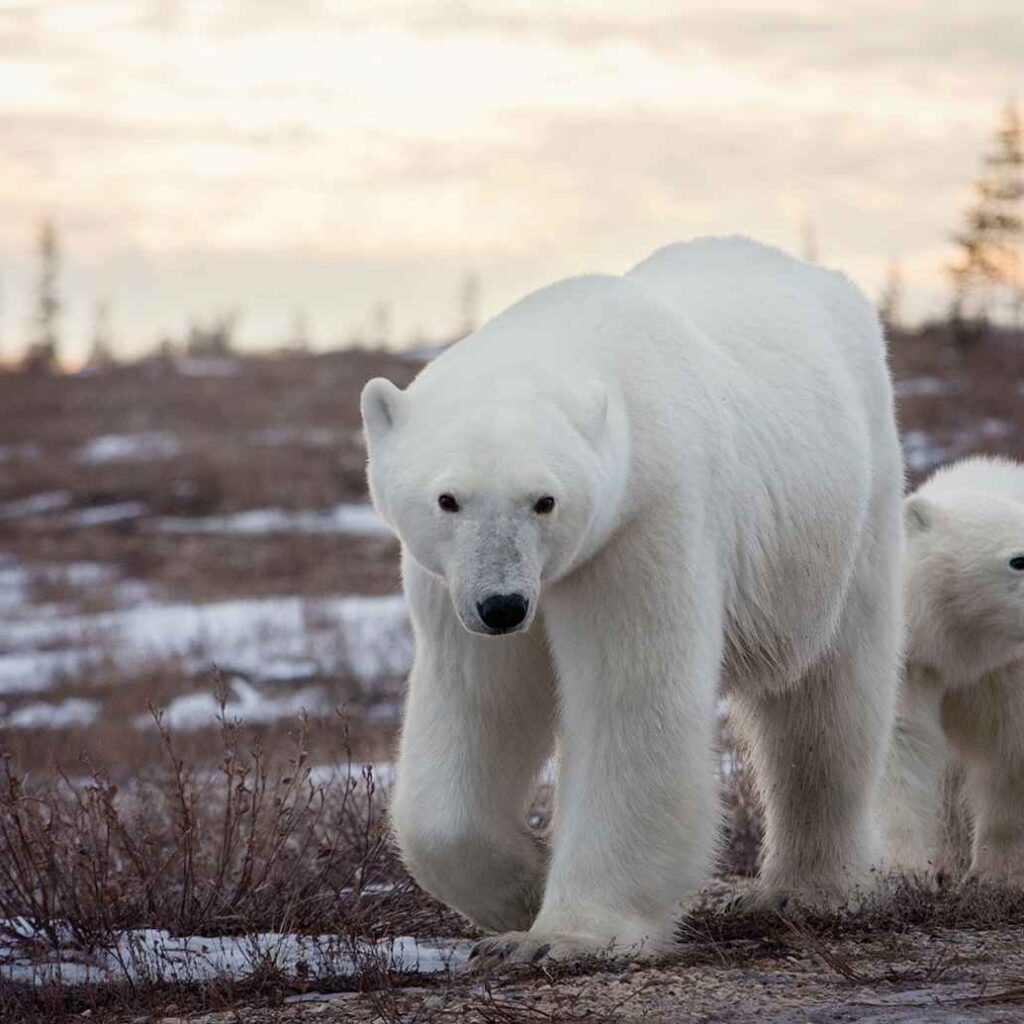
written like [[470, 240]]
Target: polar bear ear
[[918, 514], [590, 408], [379, 404]]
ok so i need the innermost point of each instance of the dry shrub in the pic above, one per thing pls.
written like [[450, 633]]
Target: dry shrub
[[252, 847], [194, 855]]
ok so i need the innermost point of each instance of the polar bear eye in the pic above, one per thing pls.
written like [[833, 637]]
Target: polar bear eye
[[448, 503], [1017, 563], [544, 505]]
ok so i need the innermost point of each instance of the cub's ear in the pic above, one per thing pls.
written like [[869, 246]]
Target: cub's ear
[[379, 404], [918, 514], [590, 408]]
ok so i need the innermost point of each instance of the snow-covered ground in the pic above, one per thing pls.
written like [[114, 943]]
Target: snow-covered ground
[[35, 504], [351, 519], [129, 447], [48, 715], [263, 646], [930, 387], [157, 956], [354, 520], [924, 450], [100, 515], [310, 437]]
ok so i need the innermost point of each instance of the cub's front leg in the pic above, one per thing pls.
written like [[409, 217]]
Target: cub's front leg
[[985, 726], [479, 724], [995, 794]]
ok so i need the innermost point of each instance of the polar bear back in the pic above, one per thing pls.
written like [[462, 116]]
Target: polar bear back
[[772, 311]]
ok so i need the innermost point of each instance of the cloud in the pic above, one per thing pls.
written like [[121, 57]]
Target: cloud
[[411, 139]]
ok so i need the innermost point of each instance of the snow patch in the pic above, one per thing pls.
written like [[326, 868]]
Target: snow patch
[[919, 387], [73, 711], [355, 520], [246, 704], [272, 640], [38, 671], [100, 515], [157, 956], [310, 437], [35, 505], [129, 447]]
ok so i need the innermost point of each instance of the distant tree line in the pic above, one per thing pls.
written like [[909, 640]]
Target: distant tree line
[[986, 277]]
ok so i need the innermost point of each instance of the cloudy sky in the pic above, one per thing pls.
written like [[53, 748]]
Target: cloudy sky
[[325, 156]]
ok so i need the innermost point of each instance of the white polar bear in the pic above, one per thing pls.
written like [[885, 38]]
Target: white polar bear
[[655, 488], [961, 705]]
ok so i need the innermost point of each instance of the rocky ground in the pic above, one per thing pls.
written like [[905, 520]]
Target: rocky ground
[[948, 976]]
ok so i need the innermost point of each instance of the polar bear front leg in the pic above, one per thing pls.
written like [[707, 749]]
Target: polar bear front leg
[[637, 651], [479, 724]]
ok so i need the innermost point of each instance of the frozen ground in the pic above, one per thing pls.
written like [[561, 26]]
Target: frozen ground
[[286, 643], [351, 519], [925, 450], [129, 447], [35, 504], [157, 956]]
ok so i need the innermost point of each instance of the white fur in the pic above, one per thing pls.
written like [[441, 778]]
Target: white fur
[[961, 706], [717, 430]]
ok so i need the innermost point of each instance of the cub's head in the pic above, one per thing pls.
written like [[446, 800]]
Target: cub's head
[[964, 573], [494, 494]]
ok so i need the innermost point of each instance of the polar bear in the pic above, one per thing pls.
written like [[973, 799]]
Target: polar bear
[[619, 500], [961, 703]]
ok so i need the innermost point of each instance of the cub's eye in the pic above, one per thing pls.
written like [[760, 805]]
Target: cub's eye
[[448, 503], [1017, 562], [544, 505]]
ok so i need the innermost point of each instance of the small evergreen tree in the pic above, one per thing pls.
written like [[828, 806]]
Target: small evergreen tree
[[101, 350], [41, 356], [988, 274], [890, 302]]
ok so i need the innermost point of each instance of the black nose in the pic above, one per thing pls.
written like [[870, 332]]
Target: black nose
[[503, 611]]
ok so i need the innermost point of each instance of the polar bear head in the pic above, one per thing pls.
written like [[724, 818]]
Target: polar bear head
[[496, 494], [964, 580]]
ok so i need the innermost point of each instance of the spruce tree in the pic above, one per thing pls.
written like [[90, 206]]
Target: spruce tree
[[988, 274]]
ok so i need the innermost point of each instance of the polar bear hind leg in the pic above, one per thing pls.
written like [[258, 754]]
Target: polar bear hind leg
[[818, 748]]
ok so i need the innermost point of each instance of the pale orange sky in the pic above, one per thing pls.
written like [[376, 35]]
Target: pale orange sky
[[321, 157]]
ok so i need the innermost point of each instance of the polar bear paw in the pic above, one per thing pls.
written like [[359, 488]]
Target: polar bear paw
[[757, 901], [545, 948]]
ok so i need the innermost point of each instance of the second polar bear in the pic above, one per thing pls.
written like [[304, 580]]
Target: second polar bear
[[619, 499], [961, 706]]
